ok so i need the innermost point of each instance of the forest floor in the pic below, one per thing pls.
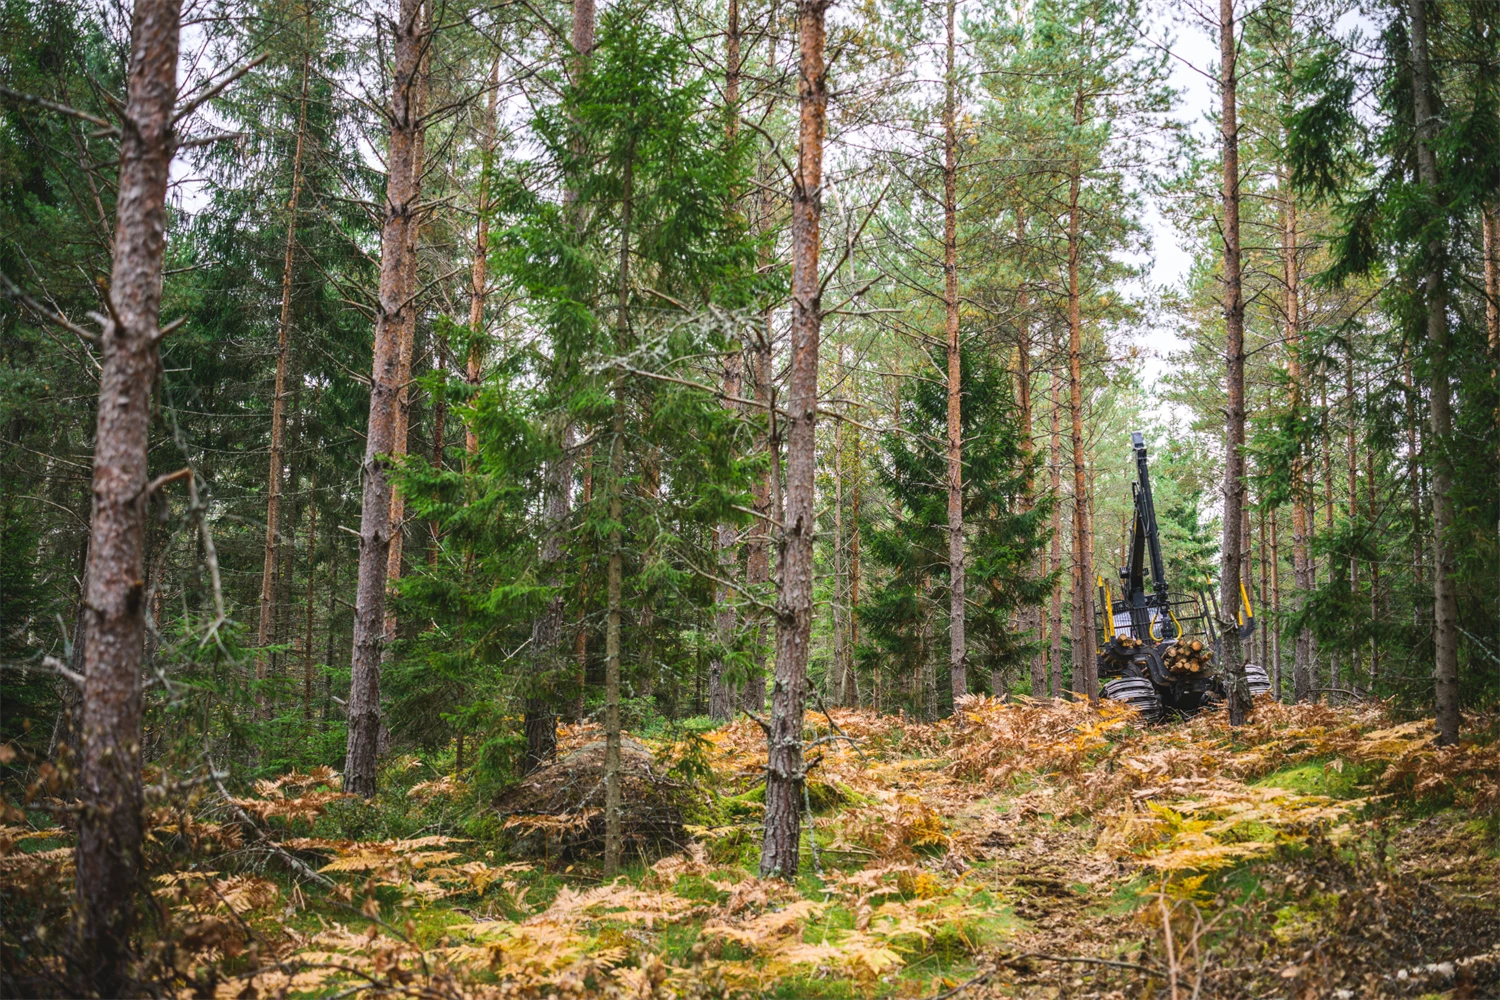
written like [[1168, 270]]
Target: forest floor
[[1015, 850]]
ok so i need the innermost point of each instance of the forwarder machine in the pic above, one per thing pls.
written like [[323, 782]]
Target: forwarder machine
[[1159, 651]]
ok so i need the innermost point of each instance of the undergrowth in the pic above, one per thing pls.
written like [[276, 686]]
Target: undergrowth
[[1015, 849]]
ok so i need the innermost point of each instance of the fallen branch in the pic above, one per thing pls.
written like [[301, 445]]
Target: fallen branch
[[1083, 959]]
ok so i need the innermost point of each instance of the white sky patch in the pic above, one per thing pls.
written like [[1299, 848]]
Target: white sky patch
[[1194, 53]]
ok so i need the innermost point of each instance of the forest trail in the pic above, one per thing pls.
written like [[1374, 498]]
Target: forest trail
[[1043, 850]]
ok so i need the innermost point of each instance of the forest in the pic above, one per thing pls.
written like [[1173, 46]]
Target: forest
[[736, 498]]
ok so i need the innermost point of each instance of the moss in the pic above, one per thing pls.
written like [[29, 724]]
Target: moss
[[1320, 776]]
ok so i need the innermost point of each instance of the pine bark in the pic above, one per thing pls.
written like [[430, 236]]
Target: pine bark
[[1232, 549], [1275, 625], [407, 336], [581, 631], [307, 632], [1054, 563], [613, 843], [1085, 669], [1435, 291], [267, 621], [765, 495], [1302, 656], [957, 643], [614, 580], [385, 386], [108, 857], [794, 604], [1032, 615], [1327, 442], [479, 273], [720, 693], [1351, 457]]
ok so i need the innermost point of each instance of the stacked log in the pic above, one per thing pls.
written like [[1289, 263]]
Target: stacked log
[[1121, 649], [1187, 656]]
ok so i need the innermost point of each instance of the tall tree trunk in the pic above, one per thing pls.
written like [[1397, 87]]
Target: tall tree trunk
[[1261, 595], [1414, 476], [1085, 669], [1232, 550], [1302, 662], [267, 623], [853, 674], [614, 577], [766, 498], [838, 606], [1491, 223], [1054, 464], [581, 634], [1327, 442], [1276, 606], [539, 714], [1444, 593], [1372, 511], [720, 693], [1352, 461], [784, 770], [439, 426], [307, 632], [613, 844], [108, 857], [538, 709], [407, 343], [385, 386], [927, 694], [766, 492], [1032, 615], [478, 275], [958, 670]]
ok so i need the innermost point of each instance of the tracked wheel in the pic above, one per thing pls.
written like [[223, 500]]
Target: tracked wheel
[[1260, 681], [1137, 692]]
